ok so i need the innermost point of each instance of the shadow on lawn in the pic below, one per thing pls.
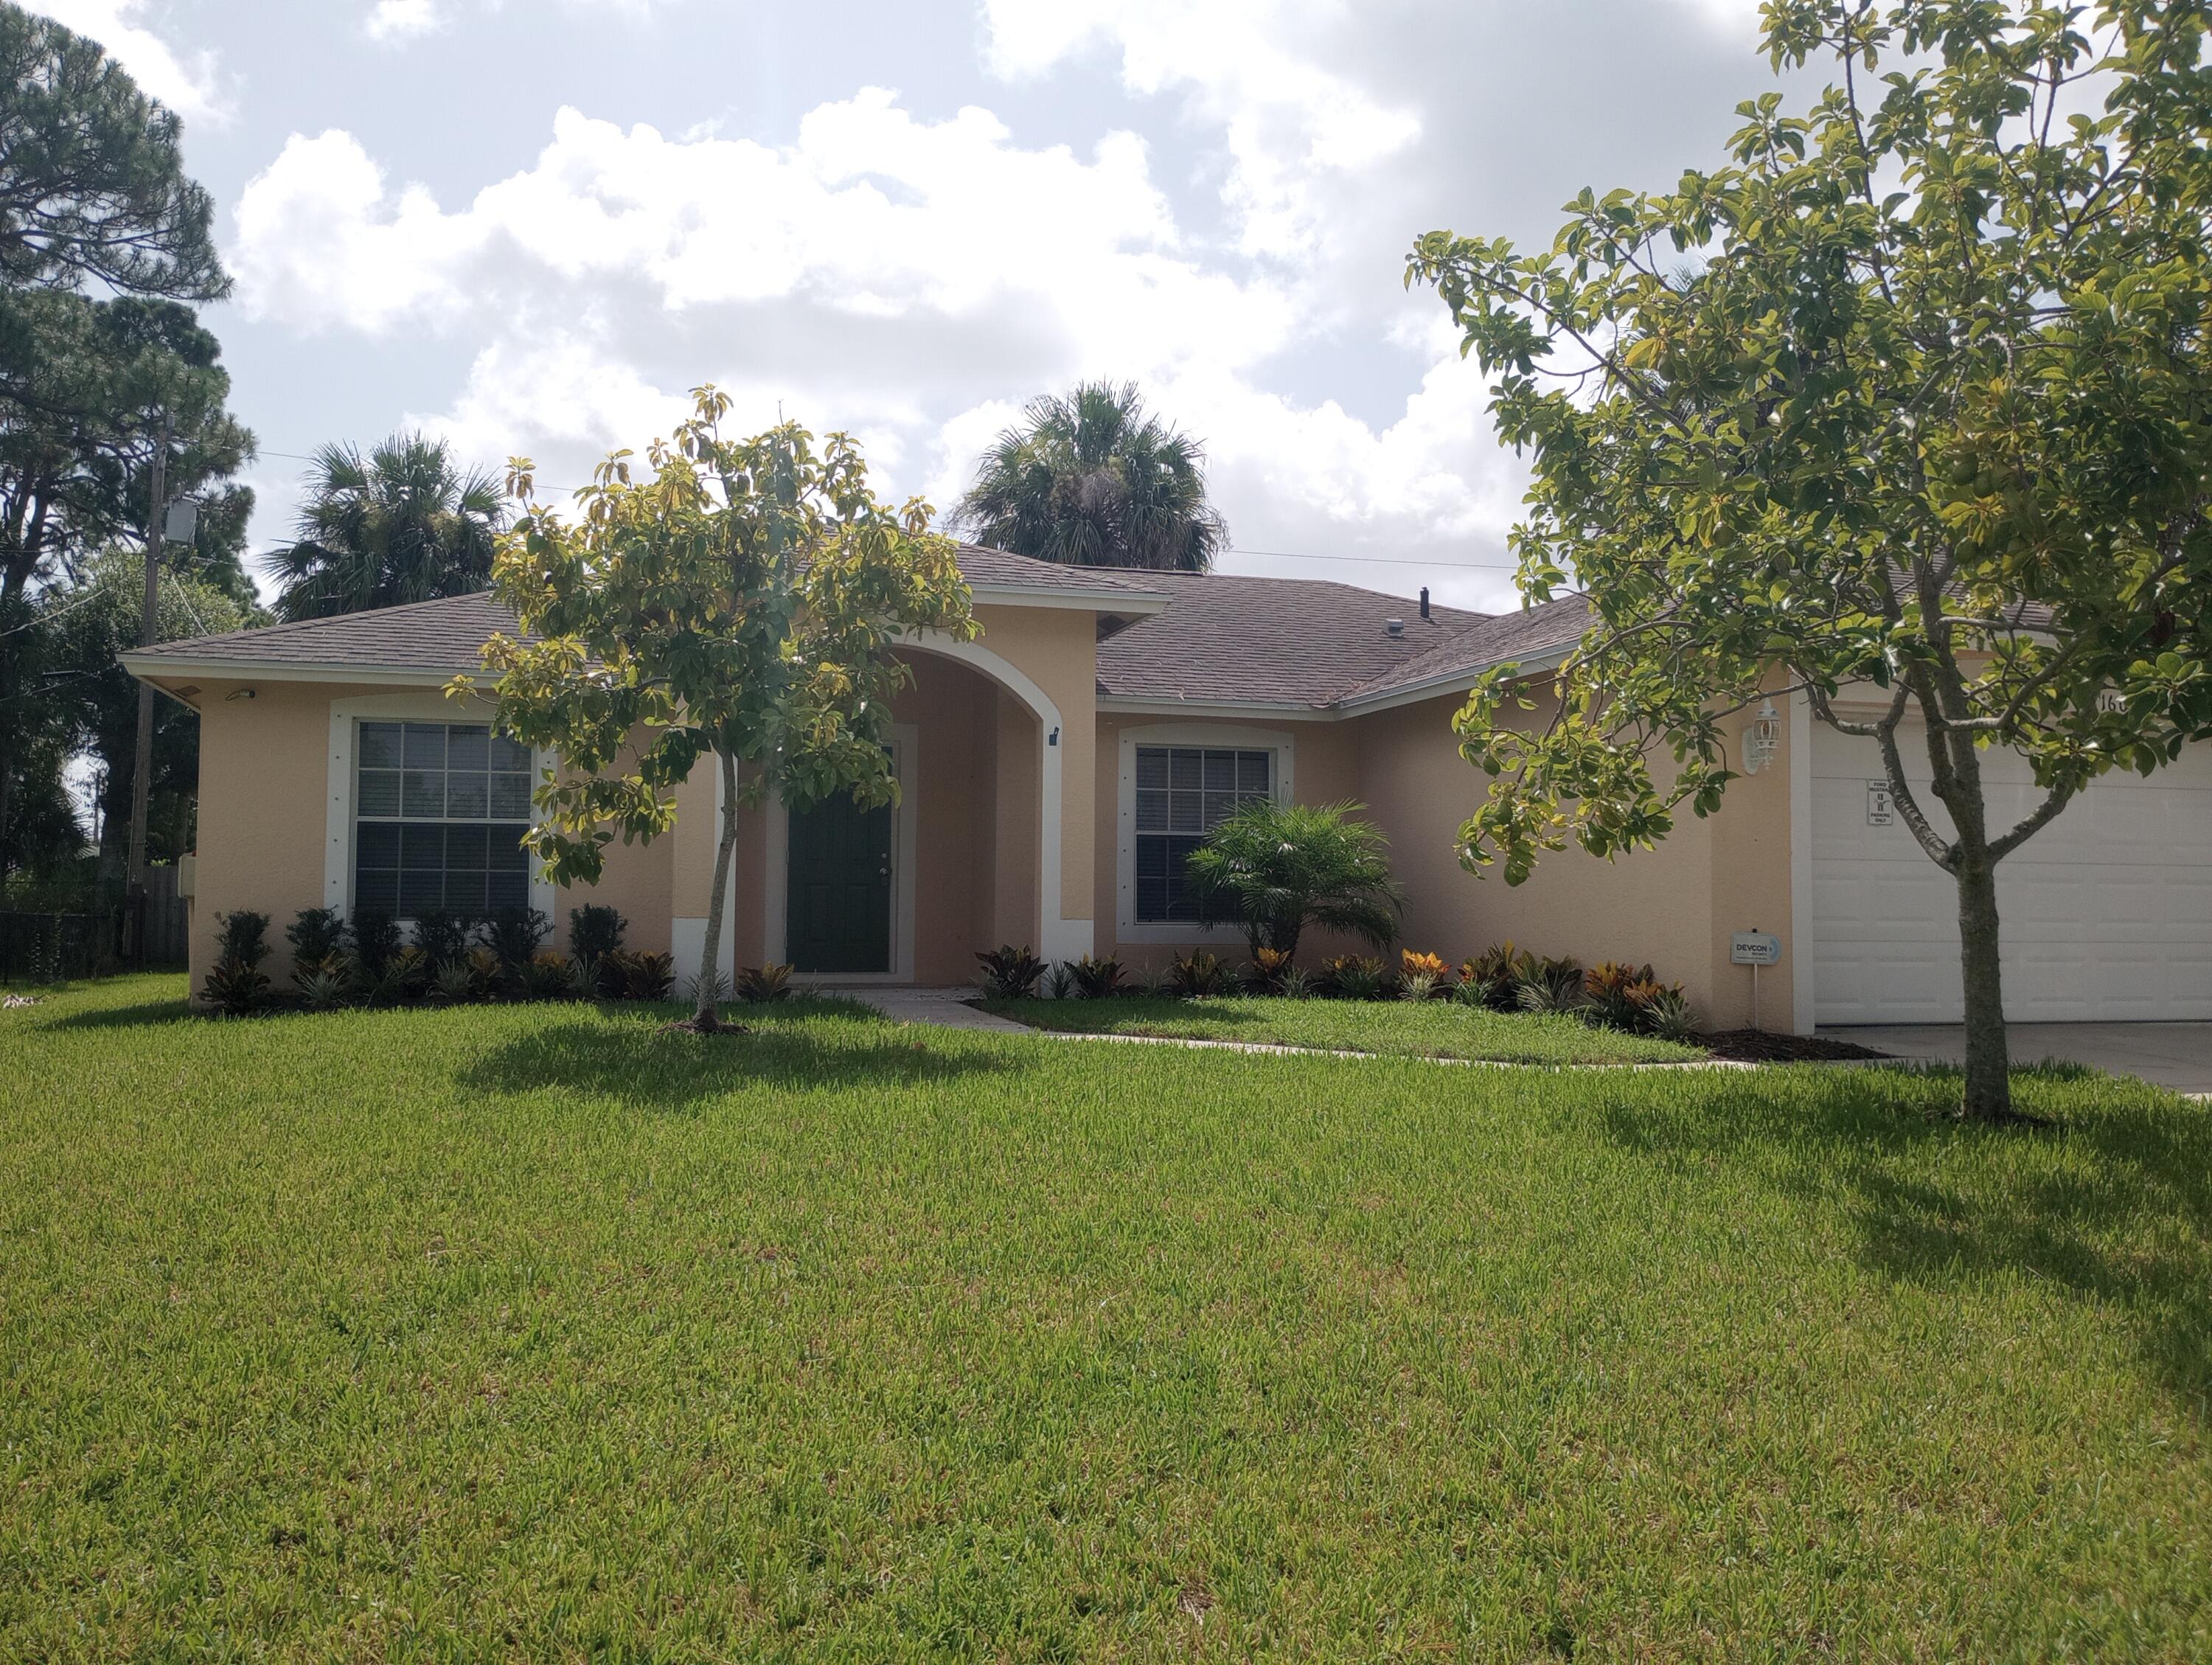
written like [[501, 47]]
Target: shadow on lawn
[[152, 1013], [645, 1067], [2113, 1202]]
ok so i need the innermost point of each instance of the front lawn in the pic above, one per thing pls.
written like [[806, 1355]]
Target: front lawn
[[1431, 1029], [532, 1332]]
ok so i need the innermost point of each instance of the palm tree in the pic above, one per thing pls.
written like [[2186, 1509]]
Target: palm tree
[[402, 524], [1275, 869], [1090, 480]]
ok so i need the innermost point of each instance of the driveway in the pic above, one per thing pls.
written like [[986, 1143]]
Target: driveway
[[2175, 1055]]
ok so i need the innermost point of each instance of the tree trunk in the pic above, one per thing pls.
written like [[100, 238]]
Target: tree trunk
[[704, 1016], [1988, 1080]]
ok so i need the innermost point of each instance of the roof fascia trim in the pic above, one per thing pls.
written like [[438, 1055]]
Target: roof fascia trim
[[1140, 706], [1360, 705], [147, 666], [1087, 601]]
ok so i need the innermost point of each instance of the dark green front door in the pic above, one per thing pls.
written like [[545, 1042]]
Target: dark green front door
[[840, 918]]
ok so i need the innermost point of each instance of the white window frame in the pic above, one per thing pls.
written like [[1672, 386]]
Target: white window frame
[[425, 706], [1281, 742]]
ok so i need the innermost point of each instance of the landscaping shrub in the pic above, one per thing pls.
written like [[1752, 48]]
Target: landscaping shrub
[[1418, 986], [515, 935], [549, 974], [1430, 966], [709, 990], [1667, 1016], [1548, 998], [453, 983], [236, 985], [401, 978], [1562, 976], [1096, 979], [1295, 983], [1011, 973], [1059, 982], [317, 935], [640, 975], [759, 984], [242, 937], [1355, 977], [1606, 999], [234, 988], [485, 973], [325, 986], [1198, 975], [1500, 969], [377, 941], [1276, 869], [1264, 974], [442, 935], [595, 931], [1155, 982]]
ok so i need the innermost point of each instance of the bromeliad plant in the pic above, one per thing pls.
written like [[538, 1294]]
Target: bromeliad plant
[[1095, 978], [741, 606], [1905, 411], [1011, 973], [1276, 869]]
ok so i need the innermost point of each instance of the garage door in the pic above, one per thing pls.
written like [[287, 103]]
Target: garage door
[[2106, 912]]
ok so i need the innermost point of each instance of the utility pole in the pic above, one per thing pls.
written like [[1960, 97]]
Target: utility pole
[[148, 625]]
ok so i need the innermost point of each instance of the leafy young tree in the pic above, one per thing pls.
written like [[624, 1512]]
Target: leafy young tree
[[91, 180], [1090, 480], [741, 605], [1277, 869], [404, 522], [1910, 401]]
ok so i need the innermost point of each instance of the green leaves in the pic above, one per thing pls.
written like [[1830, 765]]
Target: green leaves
[[744, 600], [1925, 411]]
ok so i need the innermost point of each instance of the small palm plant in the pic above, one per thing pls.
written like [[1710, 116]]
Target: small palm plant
[[1277, 869]]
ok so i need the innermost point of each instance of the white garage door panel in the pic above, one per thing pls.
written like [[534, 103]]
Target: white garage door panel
[[2108, 912]]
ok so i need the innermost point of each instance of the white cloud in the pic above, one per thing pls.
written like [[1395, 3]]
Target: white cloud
[[394, 21], [911, 281], [188, 83], [1294, 130], [403, 20]]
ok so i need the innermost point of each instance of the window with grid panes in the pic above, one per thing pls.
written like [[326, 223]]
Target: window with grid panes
[[1183, 794], [440, 810]]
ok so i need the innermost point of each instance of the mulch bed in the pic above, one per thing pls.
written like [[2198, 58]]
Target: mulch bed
[[1759, 1046]]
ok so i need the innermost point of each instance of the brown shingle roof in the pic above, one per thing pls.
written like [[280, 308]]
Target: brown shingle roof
[[1267, 641], [1507, 637], [428, 635], [1220, 639]]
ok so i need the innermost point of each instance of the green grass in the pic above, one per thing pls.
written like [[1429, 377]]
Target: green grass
[[534, 1332], [1433, 1029]]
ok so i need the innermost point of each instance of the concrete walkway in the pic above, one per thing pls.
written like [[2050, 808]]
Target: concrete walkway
[[945, 1007], [2175, 1055]]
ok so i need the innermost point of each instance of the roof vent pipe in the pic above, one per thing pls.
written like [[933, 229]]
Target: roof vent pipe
[[1424, 601], [1395, 627]]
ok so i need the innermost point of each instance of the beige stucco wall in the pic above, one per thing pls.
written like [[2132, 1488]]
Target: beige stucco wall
[[954, 712], [1675, 906], [264, 820], [264, 768]]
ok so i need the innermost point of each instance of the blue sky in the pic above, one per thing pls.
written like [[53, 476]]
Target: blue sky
[[529, 225]]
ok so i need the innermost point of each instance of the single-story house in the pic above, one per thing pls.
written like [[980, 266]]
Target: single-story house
[[1056, 771]]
